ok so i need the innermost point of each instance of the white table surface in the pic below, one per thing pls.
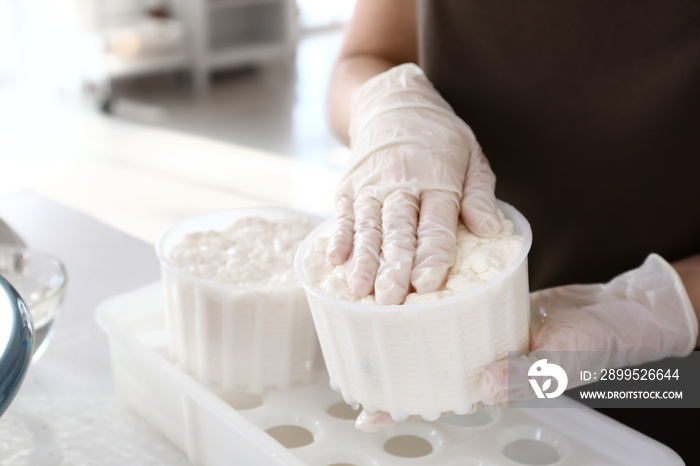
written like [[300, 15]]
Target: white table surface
[[99, 202], [66, 412]]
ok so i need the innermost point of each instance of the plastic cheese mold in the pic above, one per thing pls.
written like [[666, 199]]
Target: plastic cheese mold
[[239, 335], [311, 425], [421, 358]]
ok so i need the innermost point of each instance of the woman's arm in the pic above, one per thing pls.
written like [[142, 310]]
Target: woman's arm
[[689, 271], [380, 35]]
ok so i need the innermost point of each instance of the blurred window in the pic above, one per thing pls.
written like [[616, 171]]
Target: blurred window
[[323, 14]]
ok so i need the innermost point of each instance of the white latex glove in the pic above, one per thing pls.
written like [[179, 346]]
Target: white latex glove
[[414, 167], [641, 316]]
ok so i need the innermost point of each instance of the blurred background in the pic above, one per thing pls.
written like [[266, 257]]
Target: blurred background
[[247, 72]]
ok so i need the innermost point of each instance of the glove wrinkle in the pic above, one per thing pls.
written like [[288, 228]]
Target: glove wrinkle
[[640, 316]]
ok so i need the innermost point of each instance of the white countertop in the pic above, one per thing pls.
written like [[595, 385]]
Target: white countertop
[[97, 193]]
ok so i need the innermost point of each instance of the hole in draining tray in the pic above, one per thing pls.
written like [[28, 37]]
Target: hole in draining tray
[[532, 445], [470, 462], [239, 400], [480, 418], [531, 452], [292, 430], [342, 410], [291, 436], [344, 458], [408, 446]]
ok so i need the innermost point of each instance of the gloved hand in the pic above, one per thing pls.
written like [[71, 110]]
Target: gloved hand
[[414, 167], [641, 316]]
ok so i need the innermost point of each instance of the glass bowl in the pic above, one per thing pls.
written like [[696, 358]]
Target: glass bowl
[[16, 343], [40, 279]]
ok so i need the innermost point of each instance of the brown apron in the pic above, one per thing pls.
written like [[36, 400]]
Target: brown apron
[[589, 113]]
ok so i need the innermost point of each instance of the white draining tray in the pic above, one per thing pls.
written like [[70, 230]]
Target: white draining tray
[[215, 428]]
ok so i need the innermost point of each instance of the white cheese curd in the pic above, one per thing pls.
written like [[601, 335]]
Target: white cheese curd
[[252, 251], [478, 260]]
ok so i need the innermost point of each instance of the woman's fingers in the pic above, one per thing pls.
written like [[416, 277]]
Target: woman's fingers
[[399, 222], [364, 260], [437, 243], [340, 243], [479, 208], [394, 244]]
